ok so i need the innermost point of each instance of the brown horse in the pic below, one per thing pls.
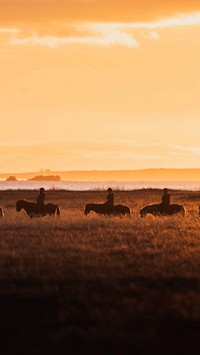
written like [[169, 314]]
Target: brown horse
[[116, 210], [157, 210], [34, 210]]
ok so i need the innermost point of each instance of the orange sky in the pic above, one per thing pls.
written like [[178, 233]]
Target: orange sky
[[104, 84], [26, 11]]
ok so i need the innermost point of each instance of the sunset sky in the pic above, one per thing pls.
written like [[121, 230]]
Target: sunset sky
[[99, 84]]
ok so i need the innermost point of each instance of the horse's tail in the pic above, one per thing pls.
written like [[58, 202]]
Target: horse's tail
[[128, 212], [86, 210], [184, 211], [57, 210]]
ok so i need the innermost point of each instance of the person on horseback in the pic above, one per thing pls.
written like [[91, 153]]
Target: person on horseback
[[109, 198], [165, 199], [41, 197]]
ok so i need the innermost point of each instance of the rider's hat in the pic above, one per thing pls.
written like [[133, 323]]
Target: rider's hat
[[109, 189], [41, 189]]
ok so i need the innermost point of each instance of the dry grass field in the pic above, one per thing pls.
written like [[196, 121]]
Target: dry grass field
[[99, 285]]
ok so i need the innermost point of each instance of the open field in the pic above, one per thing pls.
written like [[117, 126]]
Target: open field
[[97, 284]]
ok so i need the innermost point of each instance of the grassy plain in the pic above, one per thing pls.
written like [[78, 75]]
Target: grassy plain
[[99, 285]]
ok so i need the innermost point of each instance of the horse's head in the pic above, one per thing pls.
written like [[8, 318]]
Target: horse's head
[[19, 205]]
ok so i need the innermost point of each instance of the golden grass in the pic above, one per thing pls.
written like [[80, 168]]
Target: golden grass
[[98, 274]]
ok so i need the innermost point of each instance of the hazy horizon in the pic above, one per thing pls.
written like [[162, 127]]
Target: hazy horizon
[[49, 171], [137, 175]]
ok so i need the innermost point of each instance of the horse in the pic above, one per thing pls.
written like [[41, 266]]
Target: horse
[[1, 213], [157, 209], [34, 210], [106, 210]]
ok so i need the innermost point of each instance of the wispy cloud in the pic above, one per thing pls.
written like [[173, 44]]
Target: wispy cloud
[[181, 20], [151, 35], [4, 30], [108, 34], [105, 35]]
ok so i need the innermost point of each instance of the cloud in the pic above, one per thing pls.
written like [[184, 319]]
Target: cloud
[[151, 35], [106, 33], [4, 30], [177, 21]]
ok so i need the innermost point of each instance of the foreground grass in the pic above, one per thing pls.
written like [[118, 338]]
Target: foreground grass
[[94, 284]]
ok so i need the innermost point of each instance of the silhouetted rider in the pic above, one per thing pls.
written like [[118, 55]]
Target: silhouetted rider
[[41, 197], [165, 199], [110, 198]]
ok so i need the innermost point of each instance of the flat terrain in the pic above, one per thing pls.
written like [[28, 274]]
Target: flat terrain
[[99, 285]]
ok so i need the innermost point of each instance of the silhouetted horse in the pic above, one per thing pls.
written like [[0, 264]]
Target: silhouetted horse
[[159, 210], [34, 210], [106, 210], [1, 213]]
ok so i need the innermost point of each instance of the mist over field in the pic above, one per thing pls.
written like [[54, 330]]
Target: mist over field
[[97, 284]]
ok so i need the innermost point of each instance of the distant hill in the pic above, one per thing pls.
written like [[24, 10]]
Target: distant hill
[[45, 178], [115, 175], [11, 178]]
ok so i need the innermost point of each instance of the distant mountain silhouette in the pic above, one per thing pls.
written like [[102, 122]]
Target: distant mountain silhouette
[[11, 178], [162, 174]]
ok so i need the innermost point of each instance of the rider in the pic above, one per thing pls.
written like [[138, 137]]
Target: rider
[[165, 199], [110, 198], [41, 197]]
